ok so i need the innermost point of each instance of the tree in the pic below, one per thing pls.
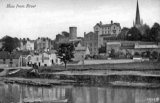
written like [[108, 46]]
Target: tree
[[155, 32], [65, 52], [145, 31], [9, 43], [112, 54], [154, 55], [134, 34], [123, 33]]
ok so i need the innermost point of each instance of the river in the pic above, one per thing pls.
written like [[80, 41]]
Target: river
[[15, 93]]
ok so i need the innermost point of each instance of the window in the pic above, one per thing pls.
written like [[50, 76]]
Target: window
[[91, 37], [114, 31], [4, 61], [90, 49], [90, 44], [11, 61]]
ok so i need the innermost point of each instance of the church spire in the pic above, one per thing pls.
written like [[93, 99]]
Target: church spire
[[137, 20]]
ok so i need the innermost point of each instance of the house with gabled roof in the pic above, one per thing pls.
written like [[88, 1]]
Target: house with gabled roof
[[10, 60], [80, 52], [106, 32]]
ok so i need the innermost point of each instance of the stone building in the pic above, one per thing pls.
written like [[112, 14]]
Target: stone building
[[1, 43], [44, 59], [102, 34], [106, 32], [80, 52], [91, 41], [27, 45], [72, 33], [43, 44]]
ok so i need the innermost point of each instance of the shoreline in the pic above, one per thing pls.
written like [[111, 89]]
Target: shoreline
[[91, 75], [120, 80], [50, 83]]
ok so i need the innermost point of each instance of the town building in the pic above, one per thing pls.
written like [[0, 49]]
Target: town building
[[1, 44], [102, 34], [107, 32], [80, 52], [43, 59], [91, 41], [146, 46], [72, 33], [43, 44], [27, 45], [14, 59], [131, 48]]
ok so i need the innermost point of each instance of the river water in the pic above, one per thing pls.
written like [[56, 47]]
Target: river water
[[14, 93]]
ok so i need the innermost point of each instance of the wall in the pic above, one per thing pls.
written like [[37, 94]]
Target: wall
[[91, 41]]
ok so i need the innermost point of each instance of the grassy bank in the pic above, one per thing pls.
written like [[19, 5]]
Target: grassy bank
[[146, 74], [137, 66]]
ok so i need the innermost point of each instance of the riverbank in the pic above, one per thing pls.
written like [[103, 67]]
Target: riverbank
[[114, 80], [145, 74], [140, 66]]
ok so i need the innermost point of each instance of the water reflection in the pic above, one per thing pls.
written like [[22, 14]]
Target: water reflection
[[13, 93]]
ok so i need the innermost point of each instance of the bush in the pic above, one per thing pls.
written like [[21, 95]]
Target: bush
[[136, 54], [154, 55]]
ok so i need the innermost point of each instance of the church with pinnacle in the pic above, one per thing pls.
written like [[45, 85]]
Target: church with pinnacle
[[138, 22]]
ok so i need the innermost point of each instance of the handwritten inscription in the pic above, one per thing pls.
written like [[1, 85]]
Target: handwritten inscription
[[20, 6]]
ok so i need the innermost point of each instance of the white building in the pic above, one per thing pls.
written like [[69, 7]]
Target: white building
[[43, 59], [106, 32], [30, 45], [27, 45], [43, 44], [80, 52]]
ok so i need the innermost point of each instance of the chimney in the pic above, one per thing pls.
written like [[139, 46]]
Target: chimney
[[111, 22], [100, 22]]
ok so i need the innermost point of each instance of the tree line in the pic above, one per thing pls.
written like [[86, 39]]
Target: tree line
[[143, 33]]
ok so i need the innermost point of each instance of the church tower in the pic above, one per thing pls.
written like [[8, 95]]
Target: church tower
[[137, 22]]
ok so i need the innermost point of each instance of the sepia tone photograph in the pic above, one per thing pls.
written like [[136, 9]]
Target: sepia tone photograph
[[79, 51]]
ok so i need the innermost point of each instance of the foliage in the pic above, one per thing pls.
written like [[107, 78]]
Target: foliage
[[9, 43], [155, 32], [65, 52], [145, 31], [112, 54], [123, 33], [136, 54], [134, 34], [154, 55]]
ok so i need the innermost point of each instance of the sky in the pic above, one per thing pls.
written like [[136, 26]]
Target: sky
[[50, 17]]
